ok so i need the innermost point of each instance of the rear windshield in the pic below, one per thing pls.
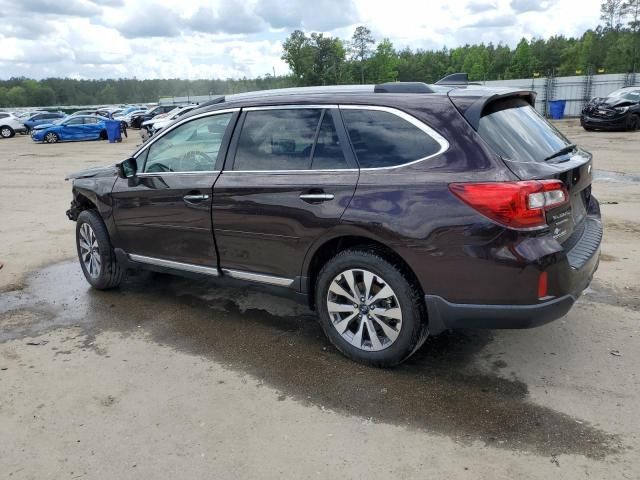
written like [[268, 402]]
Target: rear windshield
[[517, 132]]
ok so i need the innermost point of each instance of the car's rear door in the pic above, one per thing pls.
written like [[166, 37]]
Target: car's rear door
[[288, 178], [164, 212]]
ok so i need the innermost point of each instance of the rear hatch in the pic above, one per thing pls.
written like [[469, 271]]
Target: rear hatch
[[533, 149]]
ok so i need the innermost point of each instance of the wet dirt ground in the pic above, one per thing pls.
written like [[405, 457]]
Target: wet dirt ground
[[169, 377]]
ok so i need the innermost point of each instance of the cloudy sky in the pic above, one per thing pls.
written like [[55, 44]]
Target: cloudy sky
[[236, 38]]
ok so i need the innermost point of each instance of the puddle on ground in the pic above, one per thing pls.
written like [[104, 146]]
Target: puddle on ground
[[617, 177], [441, 389]]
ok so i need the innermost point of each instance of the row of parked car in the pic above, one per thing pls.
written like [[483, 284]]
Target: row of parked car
[[55, 126]]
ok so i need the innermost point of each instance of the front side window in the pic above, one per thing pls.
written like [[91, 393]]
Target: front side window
[[90, 120], [74, 121], [383, 139], [327, 153], [191, 147], [277, 139]]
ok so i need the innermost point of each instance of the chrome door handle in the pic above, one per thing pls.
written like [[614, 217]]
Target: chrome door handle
[[316, 197], [196, 198]]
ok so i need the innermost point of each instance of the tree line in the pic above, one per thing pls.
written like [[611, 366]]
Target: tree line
[[318, 59]]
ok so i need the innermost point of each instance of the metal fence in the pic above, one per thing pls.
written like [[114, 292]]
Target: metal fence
[[577, 90]]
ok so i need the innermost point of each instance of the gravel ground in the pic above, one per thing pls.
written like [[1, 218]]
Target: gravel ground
[[174, 378]]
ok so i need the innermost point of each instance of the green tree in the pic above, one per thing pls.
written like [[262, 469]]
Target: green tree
[[361, 47], [17, 97], [382, 66], [611, 13]]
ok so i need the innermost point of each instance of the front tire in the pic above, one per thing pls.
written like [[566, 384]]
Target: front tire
[[369, 309], [6, 131], [51, 137], [96, 255]]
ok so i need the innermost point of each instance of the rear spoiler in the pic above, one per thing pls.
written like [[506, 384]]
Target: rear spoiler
[[471, 102]]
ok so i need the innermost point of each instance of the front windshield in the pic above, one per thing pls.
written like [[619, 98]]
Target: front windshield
[[626, 94], [517, 132]]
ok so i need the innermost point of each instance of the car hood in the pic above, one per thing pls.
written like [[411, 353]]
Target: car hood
[[106, 171], [610, 102], [42, 126]]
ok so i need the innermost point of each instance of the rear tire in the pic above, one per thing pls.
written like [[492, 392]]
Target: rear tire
[[381, 321], [6, 131], [103, 135], [97, 258]]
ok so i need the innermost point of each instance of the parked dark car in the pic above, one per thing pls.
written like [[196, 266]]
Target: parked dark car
[[396, 211], [620, 110], [137, 120]]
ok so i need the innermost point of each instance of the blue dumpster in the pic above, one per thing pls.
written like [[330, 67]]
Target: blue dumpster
[[113, 130], [556, 109]]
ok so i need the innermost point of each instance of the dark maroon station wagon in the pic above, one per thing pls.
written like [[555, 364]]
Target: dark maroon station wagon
[[398, 210]]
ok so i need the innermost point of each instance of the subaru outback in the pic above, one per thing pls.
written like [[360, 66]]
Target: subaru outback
[[396, 211]]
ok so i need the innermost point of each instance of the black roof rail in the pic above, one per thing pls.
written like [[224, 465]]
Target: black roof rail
[[454, 79], [213, 101], [403, 87]]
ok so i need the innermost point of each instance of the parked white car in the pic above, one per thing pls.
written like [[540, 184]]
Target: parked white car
[[150, 127], [10, 125]]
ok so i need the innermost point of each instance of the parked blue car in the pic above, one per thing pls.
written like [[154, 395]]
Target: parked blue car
[[42, 119], [69, 129]]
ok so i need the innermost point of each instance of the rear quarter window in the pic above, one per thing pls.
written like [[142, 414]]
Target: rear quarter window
[[516, 131], [384, 139]]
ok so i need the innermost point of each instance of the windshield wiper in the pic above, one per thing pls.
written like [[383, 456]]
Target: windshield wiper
[[562, 151]]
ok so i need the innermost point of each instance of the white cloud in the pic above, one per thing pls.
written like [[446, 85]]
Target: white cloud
[[236, 38]]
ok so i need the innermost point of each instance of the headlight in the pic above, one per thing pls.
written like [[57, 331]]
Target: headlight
[[621, 109]]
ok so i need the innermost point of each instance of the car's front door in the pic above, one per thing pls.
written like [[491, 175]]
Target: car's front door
[[288, 179], [72, 129], [164, 212]]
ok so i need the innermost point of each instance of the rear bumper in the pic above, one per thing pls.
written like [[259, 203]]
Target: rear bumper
[[444, 315], [571, 276]]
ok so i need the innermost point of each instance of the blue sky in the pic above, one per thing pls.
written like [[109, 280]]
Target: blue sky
[[234, 38]]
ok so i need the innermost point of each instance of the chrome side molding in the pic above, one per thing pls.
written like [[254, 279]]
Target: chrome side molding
[[213, 271], [187, 267], [258, 277]]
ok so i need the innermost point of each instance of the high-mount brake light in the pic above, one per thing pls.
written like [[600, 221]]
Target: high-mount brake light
[[517, 205]]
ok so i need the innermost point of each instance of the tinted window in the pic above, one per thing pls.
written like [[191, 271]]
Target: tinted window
[[517, 132], [382, 139], [190, 147], [3, 115], [328, 153], [74, 121], [277, 139]]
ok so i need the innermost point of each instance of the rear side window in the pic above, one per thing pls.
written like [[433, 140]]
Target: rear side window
[[383, 139], [515, 131], [277, 139]]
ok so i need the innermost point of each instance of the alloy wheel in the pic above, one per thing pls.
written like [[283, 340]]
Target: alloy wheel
[[364, 309], [5, 133], [51, 138], [90, 251]]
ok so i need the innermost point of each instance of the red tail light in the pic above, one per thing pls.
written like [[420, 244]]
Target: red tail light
[[518, 205]]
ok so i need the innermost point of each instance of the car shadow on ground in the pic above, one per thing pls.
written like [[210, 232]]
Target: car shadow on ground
[[441, 389]]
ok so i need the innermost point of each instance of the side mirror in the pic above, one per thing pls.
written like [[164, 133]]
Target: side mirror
[[127, 168]]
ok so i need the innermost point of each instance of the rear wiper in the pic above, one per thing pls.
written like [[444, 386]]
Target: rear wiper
[[562, 151]]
